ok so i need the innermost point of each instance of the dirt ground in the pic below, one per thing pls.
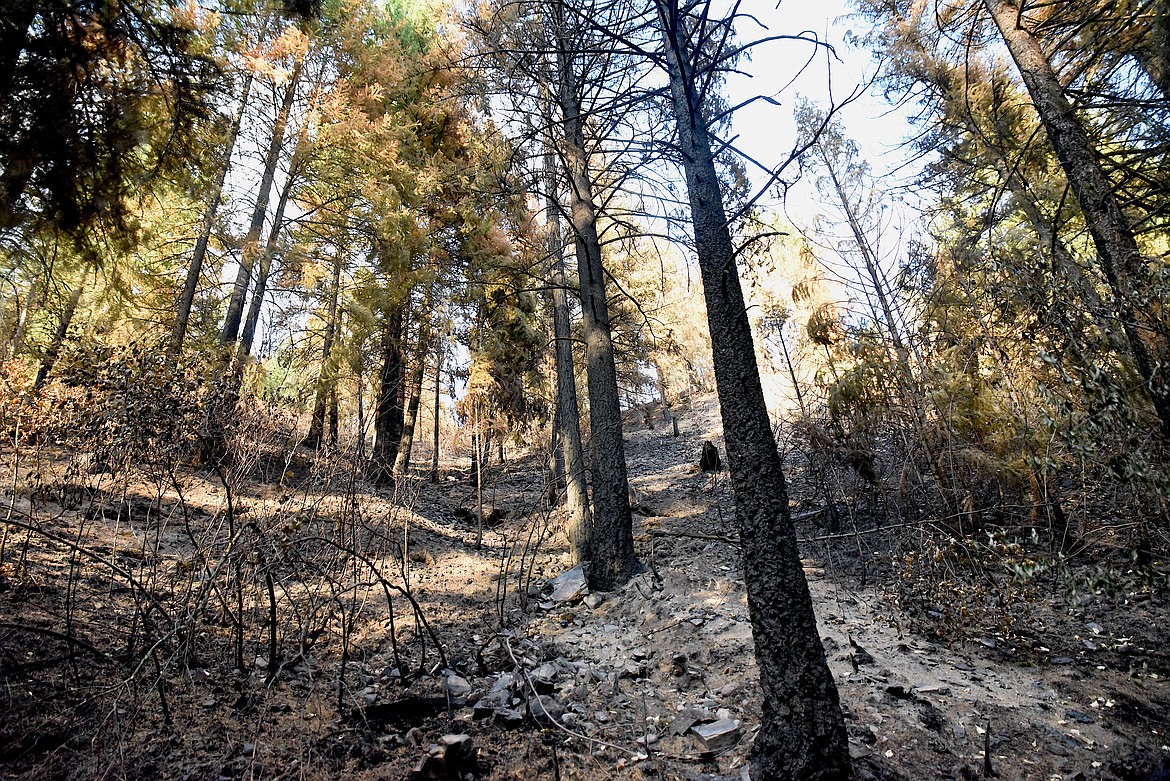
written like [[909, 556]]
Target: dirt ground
[[1062, 687]]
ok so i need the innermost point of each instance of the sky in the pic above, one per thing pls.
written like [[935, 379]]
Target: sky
[[766, 131]]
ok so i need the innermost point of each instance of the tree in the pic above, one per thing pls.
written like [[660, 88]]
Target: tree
[[1113, 235], [93, 97], [802, 734], [559, 75]]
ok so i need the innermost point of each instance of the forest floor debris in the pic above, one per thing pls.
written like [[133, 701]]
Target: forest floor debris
[[543, 679]]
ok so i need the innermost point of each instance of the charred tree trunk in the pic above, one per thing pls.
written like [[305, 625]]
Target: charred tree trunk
[[570, 452], [54, 351], [1113, 235], [251, 248], [326, 378], [388, 411], [410, 419], [611, 538], [438, 385], [195, 269], [334, 417], [802, 734]]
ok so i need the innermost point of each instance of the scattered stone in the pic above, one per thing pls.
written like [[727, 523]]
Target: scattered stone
[[544, 678], [491, 702], [900, 692], [718, 735], [1077, 716], [989, 642], [457, 688], [504, 683], [1057, 749], [452, 757], [545, 710], [729, 688], [1095, 628], [508, 717], [569, 586], [593, 601], [688, 718], [1061, 660]]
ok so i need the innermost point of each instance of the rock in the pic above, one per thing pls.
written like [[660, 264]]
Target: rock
[[452, 757], [686, 719], [458, 754], [508, 717], [457, 688], [545, 710], [544, 678], [593, 601], [491, 702], [717, 735], [569, 586], [729, 689]]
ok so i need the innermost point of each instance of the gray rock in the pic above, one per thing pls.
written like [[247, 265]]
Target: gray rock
[[452, 757], [545, 710], [717, 735], [569, 586], [593, 601], [457, 688], [544, 678], [685, 720], [491, 702], [504, 683], [509, 717]]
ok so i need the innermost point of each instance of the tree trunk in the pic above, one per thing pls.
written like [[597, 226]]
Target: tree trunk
[[611, 539], [251, 248], [54, 350], [334, 417], [568, 412], [326, 378], [388, 411], [31, 304], [402, 461], [195, 269], [1113, 236], [802, 734], [435, 440]]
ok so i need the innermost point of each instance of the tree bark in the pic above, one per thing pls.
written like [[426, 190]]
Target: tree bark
[[54, 351], [1113, 236], [802, 734], [251, 247], [326, 378], [195, 269], [434, 478], [410, 419], [611, 538], [388, 410], [568, 411]]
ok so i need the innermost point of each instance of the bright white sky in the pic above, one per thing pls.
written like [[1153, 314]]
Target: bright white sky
[[767, 132]]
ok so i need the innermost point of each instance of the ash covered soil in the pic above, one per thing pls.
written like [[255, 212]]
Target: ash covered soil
[[655, 681]]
